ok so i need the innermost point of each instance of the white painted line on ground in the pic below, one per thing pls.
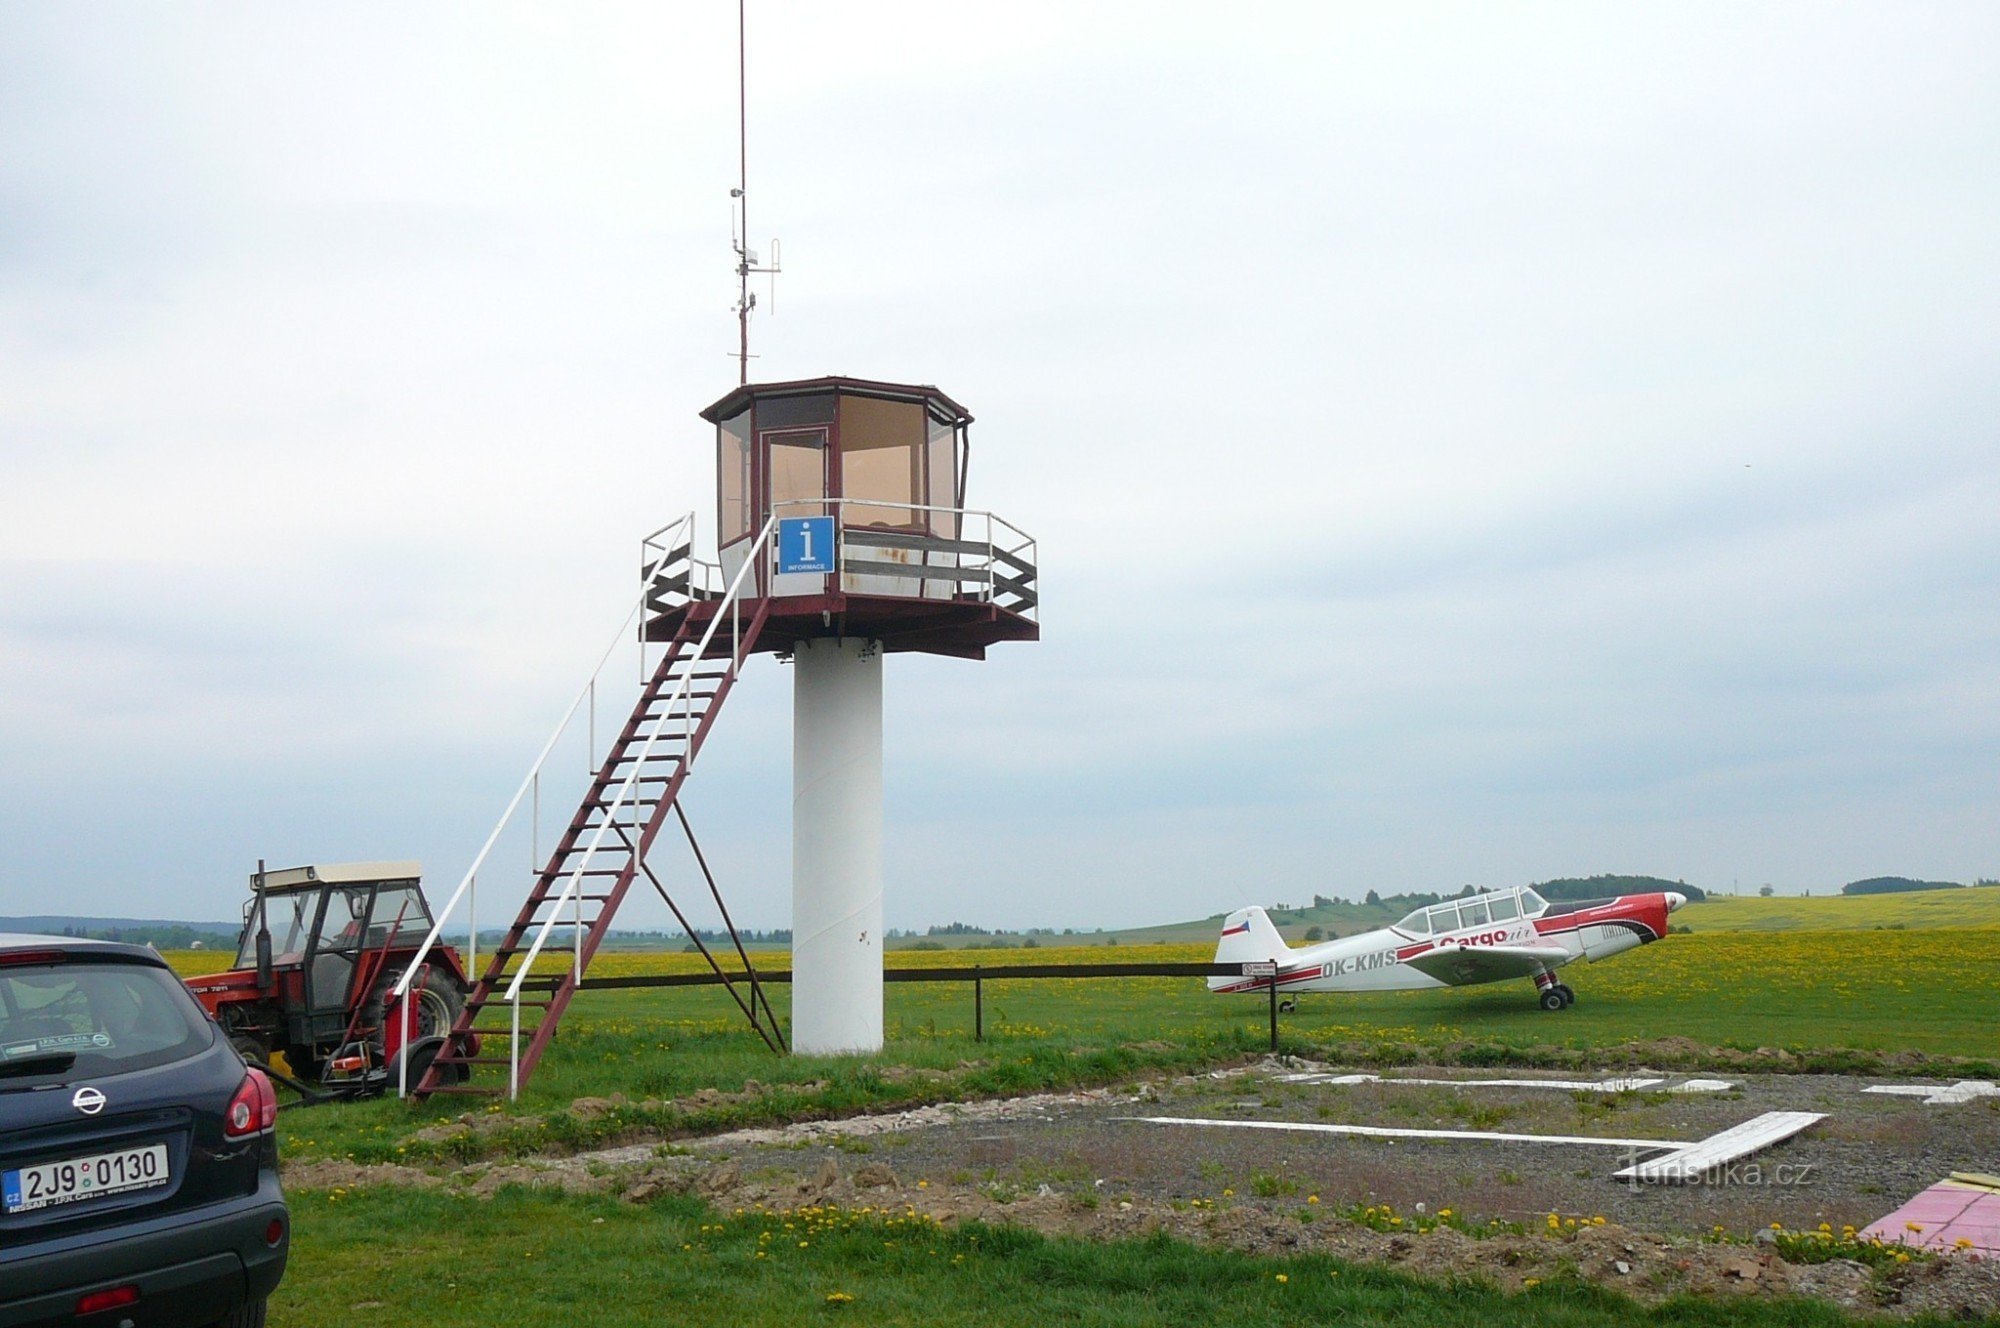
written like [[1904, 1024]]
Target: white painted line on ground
[[1566, 1085], [1965, 1090], [1695, 1160], [1390, 1132], [1628, 1085]]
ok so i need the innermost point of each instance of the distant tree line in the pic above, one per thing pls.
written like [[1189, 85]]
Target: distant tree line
[[166, 936], [1610, 887], [1895, 885]]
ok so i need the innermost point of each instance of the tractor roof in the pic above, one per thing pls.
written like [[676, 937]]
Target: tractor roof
[[339, 873]]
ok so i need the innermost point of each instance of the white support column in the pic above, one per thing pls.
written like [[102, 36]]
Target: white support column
[[836, 847]]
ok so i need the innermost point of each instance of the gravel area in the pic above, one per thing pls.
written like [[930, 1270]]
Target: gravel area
[[1870, 1153], [1084, 1164]]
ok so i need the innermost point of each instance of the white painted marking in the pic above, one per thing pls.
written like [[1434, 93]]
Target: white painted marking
[[1564, 1085], [1389, 1132], [1694, 1160], [1702, 1086], [1965, 1090]]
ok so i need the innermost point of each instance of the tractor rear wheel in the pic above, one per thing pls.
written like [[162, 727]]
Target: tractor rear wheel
[[433, 993]]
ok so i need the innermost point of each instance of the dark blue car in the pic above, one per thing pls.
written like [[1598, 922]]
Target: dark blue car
[[138, 1159]]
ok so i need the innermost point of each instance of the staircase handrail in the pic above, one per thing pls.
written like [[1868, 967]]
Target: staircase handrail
[[466, 885], [573, 886]]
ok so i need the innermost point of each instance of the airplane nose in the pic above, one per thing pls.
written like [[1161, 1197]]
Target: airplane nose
[[1675, 899]]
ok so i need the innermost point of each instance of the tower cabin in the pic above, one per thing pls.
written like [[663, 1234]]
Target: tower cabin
[[848, 497]]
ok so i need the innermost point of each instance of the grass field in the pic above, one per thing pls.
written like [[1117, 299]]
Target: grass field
[[1918, 910], [1914, 1000], [546, 1261], [1755, 978]]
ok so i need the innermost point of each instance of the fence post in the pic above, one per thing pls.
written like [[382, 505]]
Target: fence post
[[978, 1006]]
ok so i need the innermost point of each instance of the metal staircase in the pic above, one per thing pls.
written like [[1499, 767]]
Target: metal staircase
[[602, 852]]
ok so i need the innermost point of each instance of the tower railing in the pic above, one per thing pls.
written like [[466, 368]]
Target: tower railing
[[986, 559], [671, 571]]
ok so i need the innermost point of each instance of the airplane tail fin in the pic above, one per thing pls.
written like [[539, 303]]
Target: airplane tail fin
[[1248, 936]]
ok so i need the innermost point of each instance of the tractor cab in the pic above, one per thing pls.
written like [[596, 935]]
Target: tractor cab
[[321, 951], [322, 921]]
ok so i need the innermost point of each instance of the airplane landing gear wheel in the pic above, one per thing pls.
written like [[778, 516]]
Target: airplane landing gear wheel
[[1569, 997], [1287, 1005], [1552, 999]]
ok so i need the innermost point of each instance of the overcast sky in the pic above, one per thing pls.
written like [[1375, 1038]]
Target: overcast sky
[[1467, 443]]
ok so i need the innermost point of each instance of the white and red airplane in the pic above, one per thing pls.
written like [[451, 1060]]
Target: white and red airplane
[[1482, 938]]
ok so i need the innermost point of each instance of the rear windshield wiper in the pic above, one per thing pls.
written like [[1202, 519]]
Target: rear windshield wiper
[[48, 1060]]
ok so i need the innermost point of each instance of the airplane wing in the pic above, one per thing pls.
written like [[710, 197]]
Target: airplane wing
[[1458, 965]]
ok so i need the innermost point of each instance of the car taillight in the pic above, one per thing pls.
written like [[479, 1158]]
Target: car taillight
[[254, 1109], [98, 1301]]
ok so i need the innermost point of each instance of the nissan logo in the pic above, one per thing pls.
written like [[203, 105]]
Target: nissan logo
[[88, 1101]]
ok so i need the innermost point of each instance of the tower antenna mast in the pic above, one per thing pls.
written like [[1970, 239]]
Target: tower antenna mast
[[746, 257]]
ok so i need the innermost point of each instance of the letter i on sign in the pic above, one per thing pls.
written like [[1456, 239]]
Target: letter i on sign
[[805, 544]]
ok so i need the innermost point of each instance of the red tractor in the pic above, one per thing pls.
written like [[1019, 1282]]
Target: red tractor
[[317, 964]]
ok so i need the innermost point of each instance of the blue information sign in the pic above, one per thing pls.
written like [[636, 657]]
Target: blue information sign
[[805, 544]]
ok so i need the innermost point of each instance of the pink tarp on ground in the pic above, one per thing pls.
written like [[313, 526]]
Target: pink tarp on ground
[[1963, 1208]]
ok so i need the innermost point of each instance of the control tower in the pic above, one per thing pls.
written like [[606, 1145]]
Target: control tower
[[841, 535], [845, 499]]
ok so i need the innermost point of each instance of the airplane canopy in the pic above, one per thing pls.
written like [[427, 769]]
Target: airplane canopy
[[1473, 911]]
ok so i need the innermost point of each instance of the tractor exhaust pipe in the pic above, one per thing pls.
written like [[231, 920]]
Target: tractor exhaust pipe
[[263, 934]]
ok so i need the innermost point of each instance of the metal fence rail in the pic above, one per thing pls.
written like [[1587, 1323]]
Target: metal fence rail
[[977, 974]]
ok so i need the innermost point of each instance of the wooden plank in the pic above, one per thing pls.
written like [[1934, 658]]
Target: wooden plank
[[1023, 587], [915, 572], [1016, 561], [892, 539], [1692, 1161]]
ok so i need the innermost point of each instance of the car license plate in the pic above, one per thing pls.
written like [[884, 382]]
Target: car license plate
[[78, 1178]]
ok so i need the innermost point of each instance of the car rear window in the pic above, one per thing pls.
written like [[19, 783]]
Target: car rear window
[[113, 1017]]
